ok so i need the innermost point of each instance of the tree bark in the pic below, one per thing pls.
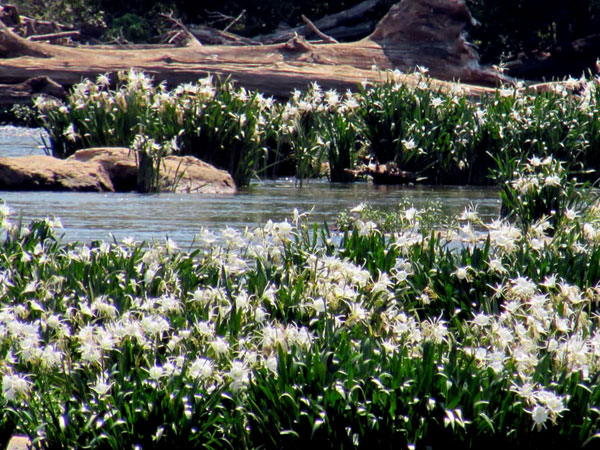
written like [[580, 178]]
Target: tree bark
[[415, 32]]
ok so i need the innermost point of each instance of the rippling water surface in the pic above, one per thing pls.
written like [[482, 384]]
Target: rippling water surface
[[91, 216]]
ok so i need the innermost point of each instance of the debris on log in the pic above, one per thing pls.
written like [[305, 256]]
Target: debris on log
[[323, 36], [53, 37], [23, 93], [385, 174], [212, 36], [190, 39], [327, 24], [34, 29], [414, 33]]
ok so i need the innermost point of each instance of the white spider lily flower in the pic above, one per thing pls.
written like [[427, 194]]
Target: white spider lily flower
[[201, 369], [102, 387], [15, 386], [540, 415], [239, 375]]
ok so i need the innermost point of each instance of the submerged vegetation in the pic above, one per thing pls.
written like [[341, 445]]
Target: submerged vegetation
[[440, 136], [402, 334]]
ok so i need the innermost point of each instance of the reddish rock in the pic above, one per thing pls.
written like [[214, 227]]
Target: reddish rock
[[178, 173], [45, 173], [109, 170], [118, 162], [191, 175]]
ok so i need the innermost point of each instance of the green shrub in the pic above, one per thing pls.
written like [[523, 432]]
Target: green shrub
[[132, 27], [218, 123]]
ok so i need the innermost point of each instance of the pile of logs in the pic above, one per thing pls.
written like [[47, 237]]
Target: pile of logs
[[34, 29], [426, 33], [343, 26]]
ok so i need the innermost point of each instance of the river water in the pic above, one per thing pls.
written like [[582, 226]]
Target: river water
[[144, 217]]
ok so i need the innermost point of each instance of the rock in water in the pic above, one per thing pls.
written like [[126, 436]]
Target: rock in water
[[184, 174], [45, 173], [189, 174], [109, 170]]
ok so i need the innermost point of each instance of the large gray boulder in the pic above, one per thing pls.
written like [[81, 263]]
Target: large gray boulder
[[109, 170]]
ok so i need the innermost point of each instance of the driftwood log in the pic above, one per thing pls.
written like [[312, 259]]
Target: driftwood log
[[426, 33], [212, 36]]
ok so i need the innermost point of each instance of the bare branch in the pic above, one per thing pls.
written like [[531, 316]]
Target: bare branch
[[192, 41], [216, 17], [54, 36], [212, 36], [318, 32], [234, 21]]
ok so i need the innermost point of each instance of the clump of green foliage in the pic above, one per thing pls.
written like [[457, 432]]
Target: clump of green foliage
[[20, 115], [440, 136], [216, 122], [401, 218]]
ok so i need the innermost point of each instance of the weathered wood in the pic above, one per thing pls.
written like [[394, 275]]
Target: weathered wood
[[191, 39], [415, 32], [212, 36], [54, 36], [325, 24], [28, 27], [315, 30], [234, 21]]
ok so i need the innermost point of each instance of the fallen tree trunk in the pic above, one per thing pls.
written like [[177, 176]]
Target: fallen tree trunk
[[415, 32]]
